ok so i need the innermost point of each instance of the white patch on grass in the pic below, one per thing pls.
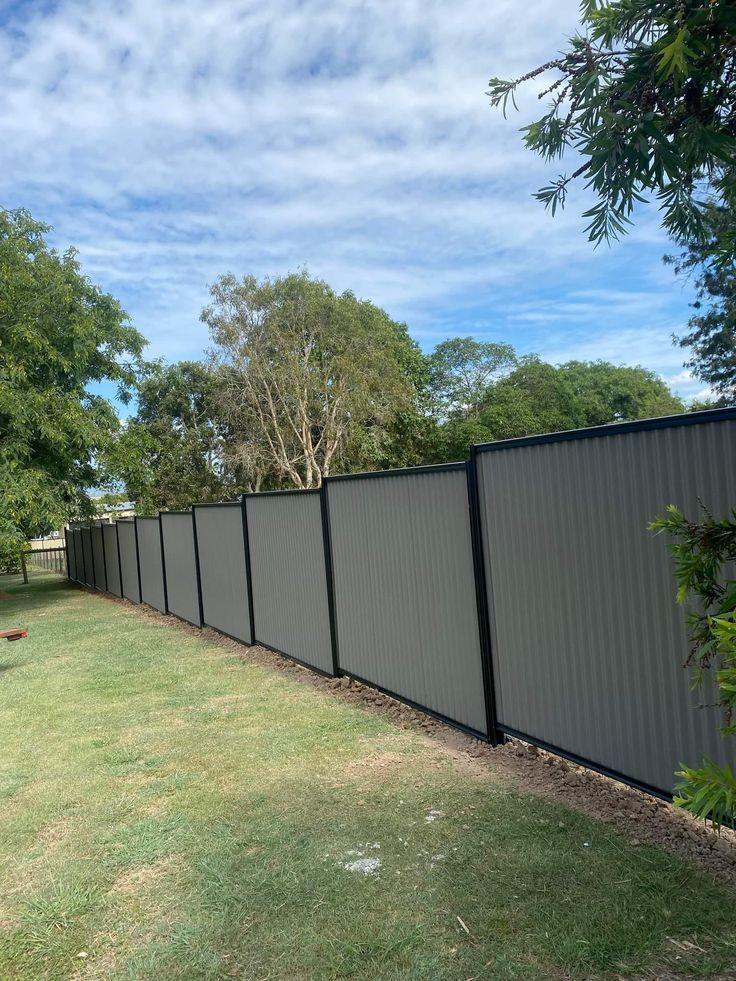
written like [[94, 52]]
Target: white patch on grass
[[366, 866], [357, 861], [433, 815]]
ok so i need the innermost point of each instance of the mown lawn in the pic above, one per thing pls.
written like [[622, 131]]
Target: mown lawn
[[168, 810]]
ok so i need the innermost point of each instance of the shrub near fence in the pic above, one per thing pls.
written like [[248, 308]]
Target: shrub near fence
[[520, 593]]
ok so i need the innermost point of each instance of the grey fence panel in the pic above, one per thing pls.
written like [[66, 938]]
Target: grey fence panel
[[405, 602], [89, 567], [112, 564], [128, 561], [150, 558], [98, 556], [180, 563], [76, 534], [71, 554], [222, 569], [287, 562], [588, 643]]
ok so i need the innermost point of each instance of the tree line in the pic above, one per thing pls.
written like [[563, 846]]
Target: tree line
[[299, 382]]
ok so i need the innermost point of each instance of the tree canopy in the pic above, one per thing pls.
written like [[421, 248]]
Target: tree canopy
[[172, 452], [645, 97], [460, 371], [537, 397], [311, 381], [59, 333], [711, 334]]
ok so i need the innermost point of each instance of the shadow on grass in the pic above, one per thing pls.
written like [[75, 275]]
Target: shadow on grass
[[28, 597]]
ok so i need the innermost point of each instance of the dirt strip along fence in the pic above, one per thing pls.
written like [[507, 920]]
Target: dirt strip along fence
[[517, 594]]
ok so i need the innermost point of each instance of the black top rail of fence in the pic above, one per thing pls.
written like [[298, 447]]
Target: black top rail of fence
[[613, 429]]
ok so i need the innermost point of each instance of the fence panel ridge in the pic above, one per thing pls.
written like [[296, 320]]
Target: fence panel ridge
[[223, 569], [76, 534], [98, 558], [288, 576], [128, 552], [71, 554], [112, 559], [180, 563], [405, 600], [151, 562], [596, 672], [87, 558]]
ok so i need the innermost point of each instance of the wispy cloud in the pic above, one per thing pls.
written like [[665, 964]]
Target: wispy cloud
[[172, 142]]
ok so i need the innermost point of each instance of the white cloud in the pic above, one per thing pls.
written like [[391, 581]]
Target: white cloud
[[174, 141]]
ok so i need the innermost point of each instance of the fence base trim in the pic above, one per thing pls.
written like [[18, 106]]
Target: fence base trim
[[453, 723], [164, 613], [224, 633], [605, 771], [189, 623], [291, 657]]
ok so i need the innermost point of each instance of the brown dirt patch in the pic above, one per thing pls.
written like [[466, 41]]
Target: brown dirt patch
[[378, 762], [5, 596], [141, 878], [642, 819]]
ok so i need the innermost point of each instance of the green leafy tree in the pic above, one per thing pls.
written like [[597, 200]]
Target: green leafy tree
[[460, 371], [537, 397], [172, 453], [313, 382], [704, 553], [711, 334], [59, 333], [606, 393], [534, 398], [645, 97]]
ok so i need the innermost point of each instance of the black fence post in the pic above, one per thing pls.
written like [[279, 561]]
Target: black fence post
[[104, 557], [196, 568], [120, 560], [327, 540], [84, 561], [163, 562], [481, 598], [137, 561], [248, 569], [66, 550], [92, 550]]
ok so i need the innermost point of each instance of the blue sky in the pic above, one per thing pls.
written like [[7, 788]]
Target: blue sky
[[173, 141]]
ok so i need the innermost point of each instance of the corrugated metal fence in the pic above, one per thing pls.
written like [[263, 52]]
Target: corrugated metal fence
[[518, 594]]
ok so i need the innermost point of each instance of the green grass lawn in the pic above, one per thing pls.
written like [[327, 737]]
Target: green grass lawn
[[169, 810]]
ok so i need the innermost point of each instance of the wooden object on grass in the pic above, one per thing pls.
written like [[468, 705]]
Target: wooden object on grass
[[14, 633]]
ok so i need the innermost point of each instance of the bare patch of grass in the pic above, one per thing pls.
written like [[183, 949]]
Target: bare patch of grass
[[141, 878]]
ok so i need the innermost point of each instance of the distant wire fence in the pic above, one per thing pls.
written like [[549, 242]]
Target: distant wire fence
[[517, 594], [49, 559]]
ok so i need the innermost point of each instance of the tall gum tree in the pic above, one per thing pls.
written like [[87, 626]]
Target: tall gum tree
[[311, 381]]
